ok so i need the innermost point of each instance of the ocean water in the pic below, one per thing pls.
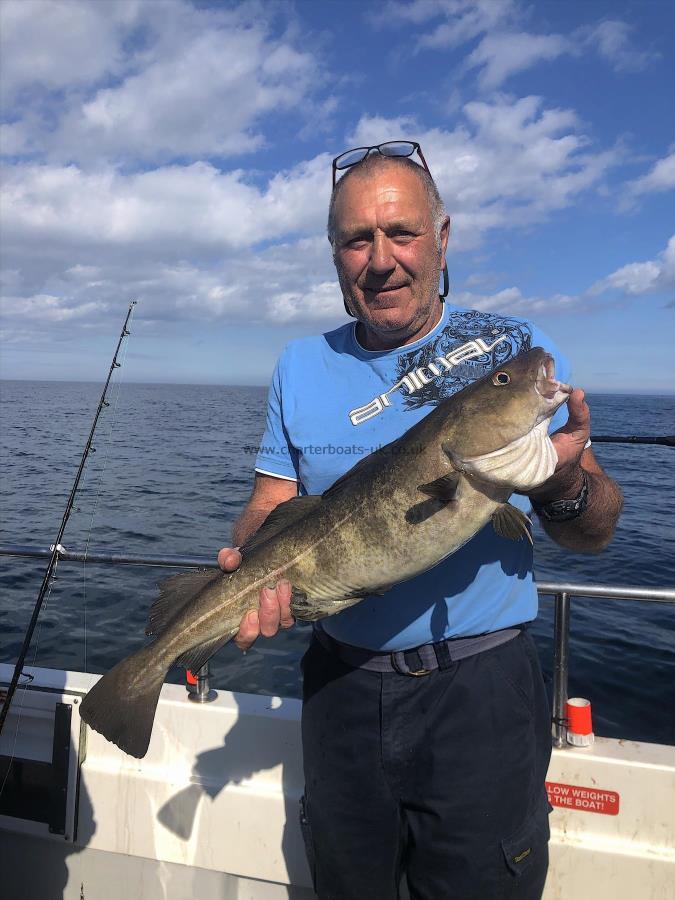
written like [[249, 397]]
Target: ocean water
[[172, 470]]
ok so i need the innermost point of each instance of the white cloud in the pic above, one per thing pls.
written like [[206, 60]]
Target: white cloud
[[661, 177], [193, 241], [193, 104], [177, 210], [511, 162], [505, 49], [511, 300], [611, 38], [503, 54], [148, 81], [57, 44], [633, 280], [462, 20], [639, 278]]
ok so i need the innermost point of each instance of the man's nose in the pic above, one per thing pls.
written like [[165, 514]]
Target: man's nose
[[381, 257]]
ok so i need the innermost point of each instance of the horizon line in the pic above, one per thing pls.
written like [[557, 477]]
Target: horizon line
[[633, 392]]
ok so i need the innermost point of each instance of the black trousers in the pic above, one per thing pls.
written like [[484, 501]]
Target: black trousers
[[438, 778]]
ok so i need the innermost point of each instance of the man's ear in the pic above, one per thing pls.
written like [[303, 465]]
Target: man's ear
[[445, 234]]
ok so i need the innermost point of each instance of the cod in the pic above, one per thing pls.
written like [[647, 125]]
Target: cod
[[395, 514]]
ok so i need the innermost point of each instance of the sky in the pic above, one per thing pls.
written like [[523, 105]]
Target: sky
[[179, 153]]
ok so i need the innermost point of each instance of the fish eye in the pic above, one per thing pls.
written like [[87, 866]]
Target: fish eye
[[501, 378]]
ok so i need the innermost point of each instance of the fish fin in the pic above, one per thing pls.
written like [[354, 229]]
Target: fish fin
[[310, 610], [511, 522], [121, 705], [283, 515], [443, 488], [200, 654], [174, 594]]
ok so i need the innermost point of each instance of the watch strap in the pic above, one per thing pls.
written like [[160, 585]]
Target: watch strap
[[564, 510]]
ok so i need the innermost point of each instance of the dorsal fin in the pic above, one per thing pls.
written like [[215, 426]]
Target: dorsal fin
[[174, 594], [281, 517], [443, 488]]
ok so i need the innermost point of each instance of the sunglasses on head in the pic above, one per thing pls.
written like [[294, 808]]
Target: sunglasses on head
[[389, 148]]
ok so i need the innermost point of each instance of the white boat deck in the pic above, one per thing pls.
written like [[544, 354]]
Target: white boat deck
[[211, 811]]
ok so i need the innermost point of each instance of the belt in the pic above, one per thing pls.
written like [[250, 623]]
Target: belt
[[418, 660]]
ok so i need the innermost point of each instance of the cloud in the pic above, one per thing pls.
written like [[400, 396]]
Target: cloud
[[462, 20], [501, 55], [197, 241], [509, 162], [611, 39], [172, 210], [504, 49], [57, 44], [633, 280], [511, 300], [158, 81], [661, 177], [639, 278]]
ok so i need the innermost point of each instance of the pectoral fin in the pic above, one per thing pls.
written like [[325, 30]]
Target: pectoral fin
[[510, 522], [444, 488]]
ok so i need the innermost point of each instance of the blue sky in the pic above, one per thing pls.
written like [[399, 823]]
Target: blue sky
[[179, 153]]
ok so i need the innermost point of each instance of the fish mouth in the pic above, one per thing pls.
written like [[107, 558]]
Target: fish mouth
[[552, 391]]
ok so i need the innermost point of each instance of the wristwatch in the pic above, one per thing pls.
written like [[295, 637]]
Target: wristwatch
[[564, 510]]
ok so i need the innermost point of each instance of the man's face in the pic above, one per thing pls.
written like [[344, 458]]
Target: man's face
[[386, 255]]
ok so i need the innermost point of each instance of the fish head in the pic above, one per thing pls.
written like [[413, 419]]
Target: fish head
[[501, 433]]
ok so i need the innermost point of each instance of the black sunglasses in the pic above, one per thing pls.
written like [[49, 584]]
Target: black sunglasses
[[389, 148]]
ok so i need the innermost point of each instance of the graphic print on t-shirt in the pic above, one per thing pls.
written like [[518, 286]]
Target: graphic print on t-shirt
[[471, 345]]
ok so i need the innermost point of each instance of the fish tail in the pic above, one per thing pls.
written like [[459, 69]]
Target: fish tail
[[121, 706]]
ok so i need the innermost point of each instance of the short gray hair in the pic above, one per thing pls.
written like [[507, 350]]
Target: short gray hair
[[376, 161]]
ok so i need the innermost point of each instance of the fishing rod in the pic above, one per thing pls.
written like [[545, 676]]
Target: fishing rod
[[56, 546], [666, 440]]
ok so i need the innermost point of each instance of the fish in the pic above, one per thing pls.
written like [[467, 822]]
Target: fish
[[399, 511]]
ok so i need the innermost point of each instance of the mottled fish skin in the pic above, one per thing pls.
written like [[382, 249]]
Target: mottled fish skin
[[396, 514]]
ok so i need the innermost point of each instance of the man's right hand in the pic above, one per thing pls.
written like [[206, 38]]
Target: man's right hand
[[274, 605]]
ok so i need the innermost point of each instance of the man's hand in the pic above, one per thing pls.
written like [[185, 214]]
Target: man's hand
[[274, 611], [570, 440], [591, 531]]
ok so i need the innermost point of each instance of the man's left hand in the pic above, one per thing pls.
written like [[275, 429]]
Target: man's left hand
[[570, 440]]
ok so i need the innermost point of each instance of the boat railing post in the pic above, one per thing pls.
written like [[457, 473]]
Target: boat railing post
[[561, 637], [204, 692]]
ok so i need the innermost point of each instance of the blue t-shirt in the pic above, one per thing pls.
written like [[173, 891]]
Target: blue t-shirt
[[331, 402]]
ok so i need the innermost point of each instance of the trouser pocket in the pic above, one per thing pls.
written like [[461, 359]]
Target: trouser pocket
[[525, 854]]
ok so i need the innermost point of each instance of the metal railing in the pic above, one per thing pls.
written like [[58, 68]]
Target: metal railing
[[562, 593]]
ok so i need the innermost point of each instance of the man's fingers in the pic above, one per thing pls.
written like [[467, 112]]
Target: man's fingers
[[249, 630], [229, 559], [285, 595], [270, 613], [578, 410], [274, 613]]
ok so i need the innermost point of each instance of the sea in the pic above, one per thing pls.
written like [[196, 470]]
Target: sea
[[173, 467]]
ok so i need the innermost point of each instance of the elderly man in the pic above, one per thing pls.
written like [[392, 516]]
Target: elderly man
[[438, 773]]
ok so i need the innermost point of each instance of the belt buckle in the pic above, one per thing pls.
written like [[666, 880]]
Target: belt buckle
[[415, 674]]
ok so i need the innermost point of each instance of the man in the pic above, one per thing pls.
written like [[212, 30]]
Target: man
[[434, 770]]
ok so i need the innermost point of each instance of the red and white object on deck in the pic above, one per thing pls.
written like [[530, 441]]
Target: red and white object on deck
[[579, 722]]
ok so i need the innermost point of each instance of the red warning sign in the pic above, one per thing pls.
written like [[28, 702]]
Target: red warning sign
[[571, 796]]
